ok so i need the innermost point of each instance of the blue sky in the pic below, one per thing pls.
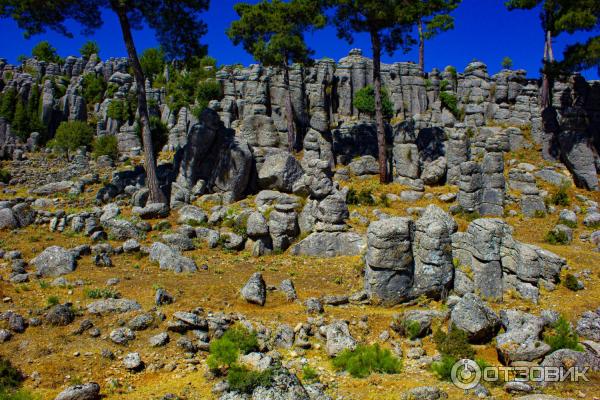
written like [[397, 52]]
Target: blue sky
[[485, 31]]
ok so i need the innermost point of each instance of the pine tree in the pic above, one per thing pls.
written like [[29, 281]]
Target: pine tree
[[389, 24], [20, 123], [8, 103], [177, 27], [273, 32], [432, 18], [89, 48], [44, 51]]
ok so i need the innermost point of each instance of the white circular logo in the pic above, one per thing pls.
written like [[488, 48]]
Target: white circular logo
[[466, 374]]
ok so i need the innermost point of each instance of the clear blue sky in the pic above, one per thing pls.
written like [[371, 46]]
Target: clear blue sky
[[485, 30]]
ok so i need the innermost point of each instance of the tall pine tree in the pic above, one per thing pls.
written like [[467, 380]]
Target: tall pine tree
[[273, 32], [389, 24], [177, 28]]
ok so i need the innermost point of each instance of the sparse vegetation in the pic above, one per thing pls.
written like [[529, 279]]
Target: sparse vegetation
[[309, 374], [364, 101], [454, 343], [52, 300], [105, 145], [507, 63], [104, 293], [562, 336], [367, 359], [561, 197], [244, 380], [571, 282], [4, 175], [224, 351], [556, 236], [364, 197]]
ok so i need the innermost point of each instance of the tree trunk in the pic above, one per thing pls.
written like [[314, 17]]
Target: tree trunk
[[421, 47], [545, 100], [381, 143], [289, 109], [156, 194]]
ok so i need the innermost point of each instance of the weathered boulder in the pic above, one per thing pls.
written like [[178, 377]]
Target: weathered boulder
[[87, 391], [588, 325], [54, 261], [476, 318], [338, 338], [330, 244], [280, 171], [170, 259], [521, 339], [255, 290], [108, 306]]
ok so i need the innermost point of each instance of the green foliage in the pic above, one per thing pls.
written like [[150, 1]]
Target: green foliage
[[10, 377], [364, 101], [450, 102], [571, 282], [443, 368], [8, 103], [94, 87], [20, 394], [89, 48], [364, 197], [4, 175], [507, 63], [52, 300], [101, 293], [207, 91], [366, 359], [309, 374], [44, 51], [159, 131], [71, 135], [224, 351], [411, 329], [273, 31], [556, 236], [105, 145], [120, 110], [562, 336], [243, 380], [153, 62], [454, 343], [561, 197]]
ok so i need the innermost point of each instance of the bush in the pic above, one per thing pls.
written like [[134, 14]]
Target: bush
[[507, 63], [364, 197], [101, 294], [224, 351], [450, 102], [153, 62], [52, 300], [243, 380], [44, 51], [411, 329], [118, 110], [443, 368], [556, 236], [364, 101], [71, 135], [105, 145], [88, 49], [561, 197], [207, 91], [454, 343], [20, 394], [93, 88], [365, 360], [571, 282], [562, 336], [309, 374], [10, 377], [4, 175]]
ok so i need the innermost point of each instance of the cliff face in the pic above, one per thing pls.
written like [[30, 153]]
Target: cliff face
[[428, 137]]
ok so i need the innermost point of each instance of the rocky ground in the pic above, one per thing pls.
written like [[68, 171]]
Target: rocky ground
[[173, 298]]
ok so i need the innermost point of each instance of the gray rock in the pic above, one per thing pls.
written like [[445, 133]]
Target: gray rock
[[588, 325], [169, 259], [280, 171], [54, 261], [521, 340], [87, 391], [313, 306], [107, 306], [287, 288], [133, 362], [476, 318], [192, 215], [60, 315], [256, 225], [255, 290], [178, 241], [141, 322], [424, 393], [568, 217], [122, 335], [365, 165], [53, 188], [338, 338], [159, 340], [161, 297], [284, 337], [592, 220], [330, 244], [151, 211], [8, 219], [131, 246]]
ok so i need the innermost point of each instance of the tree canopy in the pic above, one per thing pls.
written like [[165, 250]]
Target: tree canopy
[[44, 51], [89, 48]]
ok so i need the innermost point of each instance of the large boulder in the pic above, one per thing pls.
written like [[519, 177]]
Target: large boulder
[[87, 391], [476, 318], [588, 325], [170, 259], [521, 339], [330, 244], [280, 171], [110, 306], [54, 261], [338, 338], [255, 290]]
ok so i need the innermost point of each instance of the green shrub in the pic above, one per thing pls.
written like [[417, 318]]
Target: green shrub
[[455, 343], [20, 394], [106, 145], [10, 377], [364, 197], [52, 300], [309, 374], [93, 88], [89, 48], [507, 63], [443, 368], [571, 282], [4, 175], [365, 360], [44, 51], [364, 101], [562, 336], [153, 62], [450, 102], [105, 293], [207, 91], [224, 351], [539, 214], [556, 237], [71, 135], [411, 329], [118, 110], [243, 380], [561, 197]]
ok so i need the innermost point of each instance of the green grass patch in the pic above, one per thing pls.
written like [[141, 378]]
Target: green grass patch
[[367, 359]]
